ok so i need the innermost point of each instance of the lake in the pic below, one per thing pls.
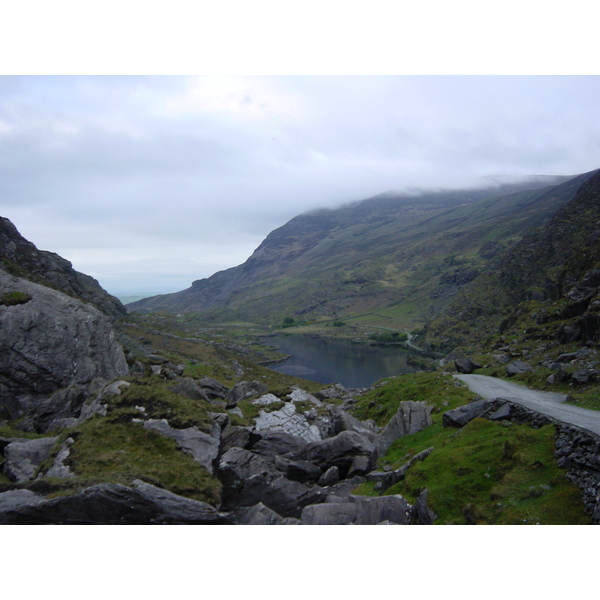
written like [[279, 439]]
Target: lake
[[338, 361]]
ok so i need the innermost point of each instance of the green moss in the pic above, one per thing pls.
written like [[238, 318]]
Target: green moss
[[14, 298]]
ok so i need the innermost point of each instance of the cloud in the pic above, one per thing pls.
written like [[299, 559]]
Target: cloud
[[152, 182]]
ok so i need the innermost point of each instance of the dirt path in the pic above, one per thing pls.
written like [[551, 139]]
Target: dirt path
[[547, 403]]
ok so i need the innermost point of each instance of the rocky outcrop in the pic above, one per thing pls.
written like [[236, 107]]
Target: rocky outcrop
[[462, 415], [411, 417], [23, 457], [107, 504], [48, 343], [20, 257]]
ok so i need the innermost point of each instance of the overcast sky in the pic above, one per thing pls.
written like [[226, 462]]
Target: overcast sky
[[148, 183]]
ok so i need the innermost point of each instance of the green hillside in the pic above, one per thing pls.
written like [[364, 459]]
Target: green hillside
[[391, 260]]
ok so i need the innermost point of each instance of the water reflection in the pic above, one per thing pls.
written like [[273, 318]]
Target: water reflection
[[338, 361]]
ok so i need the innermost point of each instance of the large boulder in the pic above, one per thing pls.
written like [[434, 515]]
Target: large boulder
[[411, 417], [517, 368], [107, 504], [359, 510], [48, 342], [338, 451], [288, 420], [243, 390], [466, 365], [462, 415], [249, 478], [203, 448], [22, 457]]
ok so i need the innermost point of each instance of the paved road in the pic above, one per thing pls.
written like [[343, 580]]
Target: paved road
[[546, 403]]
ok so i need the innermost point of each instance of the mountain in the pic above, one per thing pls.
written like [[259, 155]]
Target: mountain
[[21, 258], [543, 288], [394, 259]]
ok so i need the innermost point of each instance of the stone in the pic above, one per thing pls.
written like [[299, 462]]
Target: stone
[[249, 478], [108, 504], [329, 514], [411, 417], [259, 514], [386, 480], [466, 365], [462, 415], [516, 368], [270, 442], [188, 388], [361, 465], [213, 389], [330, 477], [235, 437], [339, 451], [22, 458], [341, 420], [299, 395], [421, 513], [243, 390], [203, 448], [502, 413], [58, 468], [49, 343], [289, 421], [302, 470], [582, 377]]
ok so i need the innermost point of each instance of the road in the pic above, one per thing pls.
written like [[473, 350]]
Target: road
[[546, 403]]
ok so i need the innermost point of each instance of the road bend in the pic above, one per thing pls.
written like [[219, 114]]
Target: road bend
[[550, 404]]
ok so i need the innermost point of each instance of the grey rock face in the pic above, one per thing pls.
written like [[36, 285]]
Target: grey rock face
[[288, 420], [190, 389], [108, 504], [462, 415], [517, 367], [262, 515], [411, 417], [243, 390], [339, 451], [49, 268], [49, 343], [249, 479], [344, 421], [359, 511], [272, 442], [203, 448], [466, 365], [23, 457]]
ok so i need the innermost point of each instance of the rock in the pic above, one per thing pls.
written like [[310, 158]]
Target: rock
[[422, 514], [339, 451], [466, 365], [249, 478], [156, 359], [289, 421], [203, 448], [517, 367], [386, 480], [243, 390], [330, 477], [583, 376], [49, 343], [266, 399], [502, 413], [301, 470], [299, 395], [190, 389], [361, 465], [260, 514], [411, 417], [359, 510], [343, 421], [108, 504], [54, 271], [271, 442], [462, 415], [23, 457], [59, 469], [213, 388], [235, 437]]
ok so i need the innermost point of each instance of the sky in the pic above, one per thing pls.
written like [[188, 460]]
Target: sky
[[148, 183]]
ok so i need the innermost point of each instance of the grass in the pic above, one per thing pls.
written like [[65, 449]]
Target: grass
[[488, 473], [106, 451]]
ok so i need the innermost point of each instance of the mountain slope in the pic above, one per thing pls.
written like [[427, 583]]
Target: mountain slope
[[546, 285], [403, 257]]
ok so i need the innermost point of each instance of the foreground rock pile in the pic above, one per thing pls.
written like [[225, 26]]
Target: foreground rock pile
[[298, 464]]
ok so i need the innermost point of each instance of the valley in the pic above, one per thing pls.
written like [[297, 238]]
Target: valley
[[170, 405]]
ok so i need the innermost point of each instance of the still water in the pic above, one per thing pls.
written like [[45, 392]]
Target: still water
[[338, 361]]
